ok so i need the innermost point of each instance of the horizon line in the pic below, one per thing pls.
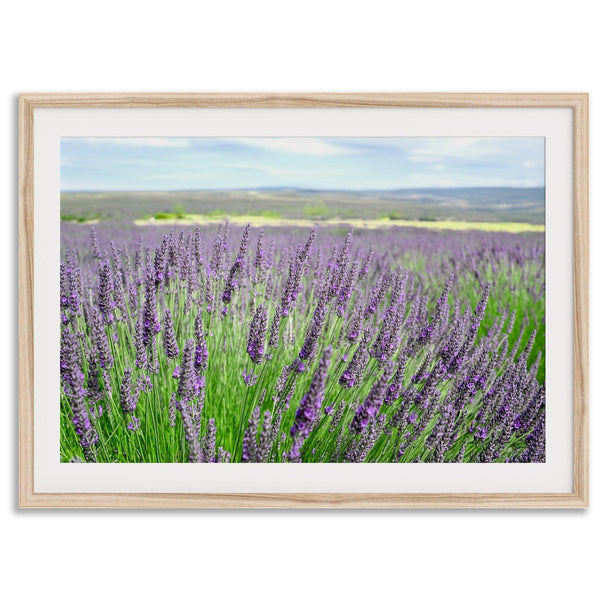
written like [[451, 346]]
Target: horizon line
[[312, 189]]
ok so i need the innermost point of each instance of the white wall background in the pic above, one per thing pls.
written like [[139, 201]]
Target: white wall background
[[464, 45]]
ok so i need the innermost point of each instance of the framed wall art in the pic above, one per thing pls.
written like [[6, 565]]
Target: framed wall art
[[303, 300]]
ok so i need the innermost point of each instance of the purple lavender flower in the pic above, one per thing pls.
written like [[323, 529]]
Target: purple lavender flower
[[151, 324], [377, 295], [141, 357], [249, 378], [296, 271], [256, 336], [310, 406], [218, 252], [260, 260], [190, 427], [250, 444], [129, 396], [265, 441], [440, 315], [73, 384], [274, 328], [133, 424], [481, 432], [187, 388], [307, 352], [100, 339], [353, 375], [299, 366], [231, 284], [160, 262], [355, 322], [364, 270], [74, 279], [172, 411], [209, 442], [388, 338], [171, 347], [369, 409], [535, 451], [201, 354], [395, 388], [64, 298], [341, 282], [105, 288], [94, 242]]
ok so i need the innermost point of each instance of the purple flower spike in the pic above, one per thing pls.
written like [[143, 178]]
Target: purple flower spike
[[256, 336], [352, 376], [232, 284], [201, 354], [105, 291], [151, 324], [309, 408], [171, 347], [129, 396], [249, 378], [134, 424]]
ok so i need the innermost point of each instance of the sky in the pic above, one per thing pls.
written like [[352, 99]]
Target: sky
[[167, 163]]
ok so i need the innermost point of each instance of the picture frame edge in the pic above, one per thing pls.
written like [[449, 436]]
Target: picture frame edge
[[578, 101]]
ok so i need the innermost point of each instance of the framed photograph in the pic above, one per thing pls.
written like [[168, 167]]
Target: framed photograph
[[303, 300]]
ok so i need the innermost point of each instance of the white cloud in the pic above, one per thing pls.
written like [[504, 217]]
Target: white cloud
[[148, 142], [459, 179], [297, 145], [439, 149], [248, 166]]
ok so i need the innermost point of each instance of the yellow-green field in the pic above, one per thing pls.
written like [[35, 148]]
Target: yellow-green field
[[261, 221]]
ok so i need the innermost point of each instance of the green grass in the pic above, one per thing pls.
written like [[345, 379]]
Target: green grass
[[315, 211]]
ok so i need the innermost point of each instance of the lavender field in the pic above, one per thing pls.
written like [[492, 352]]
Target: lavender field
[[231, 344]]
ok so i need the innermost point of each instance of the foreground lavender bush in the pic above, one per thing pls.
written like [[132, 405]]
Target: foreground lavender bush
[[218, 345]]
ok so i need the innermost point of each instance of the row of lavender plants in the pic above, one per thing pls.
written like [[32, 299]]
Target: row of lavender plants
[[289, 345]]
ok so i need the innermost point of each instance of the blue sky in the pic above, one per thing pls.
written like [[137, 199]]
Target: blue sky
[[126, 163]]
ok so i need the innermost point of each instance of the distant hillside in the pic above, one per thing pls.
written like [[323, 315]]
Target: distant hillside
[[524, 205]]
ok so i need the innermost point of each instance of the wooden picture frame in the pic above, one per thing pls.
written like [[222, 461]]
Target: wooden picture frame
[[28, 498]]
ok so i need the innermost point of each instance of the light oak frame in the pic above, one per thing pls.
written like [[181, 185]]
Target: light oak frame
[[578, 498]]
